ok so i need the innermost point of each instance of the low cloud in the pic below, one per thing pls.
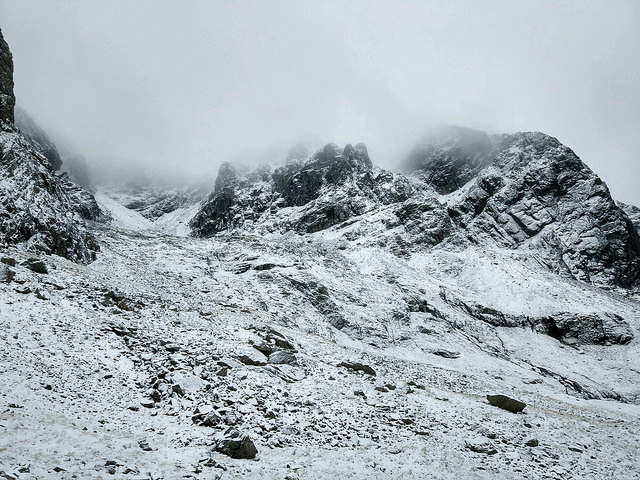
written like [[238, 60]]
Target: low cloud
[[175, 88]]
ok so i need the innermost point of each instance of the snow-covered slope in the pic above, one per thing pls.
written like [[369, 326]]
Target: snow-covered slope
[[136, 364]]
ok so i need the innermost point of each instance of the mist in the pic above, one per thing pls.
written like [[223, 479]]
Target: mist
[[172, 89]]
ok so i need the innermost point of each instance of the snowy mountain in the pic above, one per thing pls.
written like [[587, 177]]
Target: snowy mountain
[[38, 209], [37, 138], [476, 316]]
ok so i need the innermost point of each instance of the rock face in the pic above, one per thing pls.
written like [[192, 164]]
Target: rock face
[[307, 196], [38, 138], [528, 190], [36, 208], [448, 157], [524, 191], [7, 97]]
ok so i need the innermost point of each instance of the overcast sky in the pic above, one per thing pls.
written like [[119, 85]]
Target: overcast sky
[[184, 85]]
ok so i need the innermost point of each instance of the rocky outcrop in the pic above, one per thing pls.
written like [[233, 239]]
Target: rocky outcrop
[[7, 97], [37, 211], [527, 190], [633, 213], [38, 138], [82, 201], [309, 195], [520, 191], [448, 157]]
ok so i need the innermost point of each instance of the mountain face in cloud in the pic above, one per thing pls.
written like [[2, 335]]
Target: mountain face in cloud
[[520, 191], [38, 138], [39, 210]]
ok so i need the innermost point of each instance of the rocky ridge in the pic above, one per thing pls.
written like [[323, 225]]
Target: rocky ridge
[[522, 191], [37, 138], [38, 210]]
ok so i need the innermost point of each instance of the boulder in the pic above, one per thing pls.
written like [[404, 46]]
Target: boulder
[[358, 367], [6, 274], [251, 356], [281, 357], [506, 403], [235, 444], [36, 265]]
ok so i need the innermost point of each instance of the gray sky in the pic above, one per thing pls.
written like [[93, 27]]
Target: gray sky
[[184, 85]]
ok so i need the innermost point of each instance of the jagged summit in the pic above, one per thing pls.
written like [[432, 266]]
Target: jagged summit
[[528, 188], [304, 195], [519, 191]]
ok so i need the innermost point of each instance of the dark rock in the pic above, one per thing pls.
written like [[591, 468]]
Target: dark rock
[[332, 185], [532, 443], [37, 138], [36, 265], [283, 357], [7, 96], [597, 328], [445, 353], [252, 357], [235, 444], [358, 367], [6, 274], [506, 403], [279, 340], [144, 445], [8, 261]]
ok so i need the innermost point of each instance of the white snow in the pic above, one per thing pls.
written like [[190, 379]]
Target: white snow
[[77, 368]]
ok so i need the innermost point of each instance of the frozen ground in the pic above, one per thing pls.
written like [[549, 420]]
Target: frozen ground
[[99, 362]]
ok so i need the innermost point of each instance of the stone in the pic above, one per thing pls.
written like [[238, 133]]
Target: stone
[[144, 445], [281, 357], [36, 265], [480, 446], [6, 274], [358, 367], [251, 356], [8, 261], [532, 443], [235, 444], [506, 403], [441, 352]]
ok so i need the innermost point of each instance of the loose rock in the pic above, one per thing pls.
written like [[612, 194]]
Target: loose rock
[[506, 403], [235, 444]]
